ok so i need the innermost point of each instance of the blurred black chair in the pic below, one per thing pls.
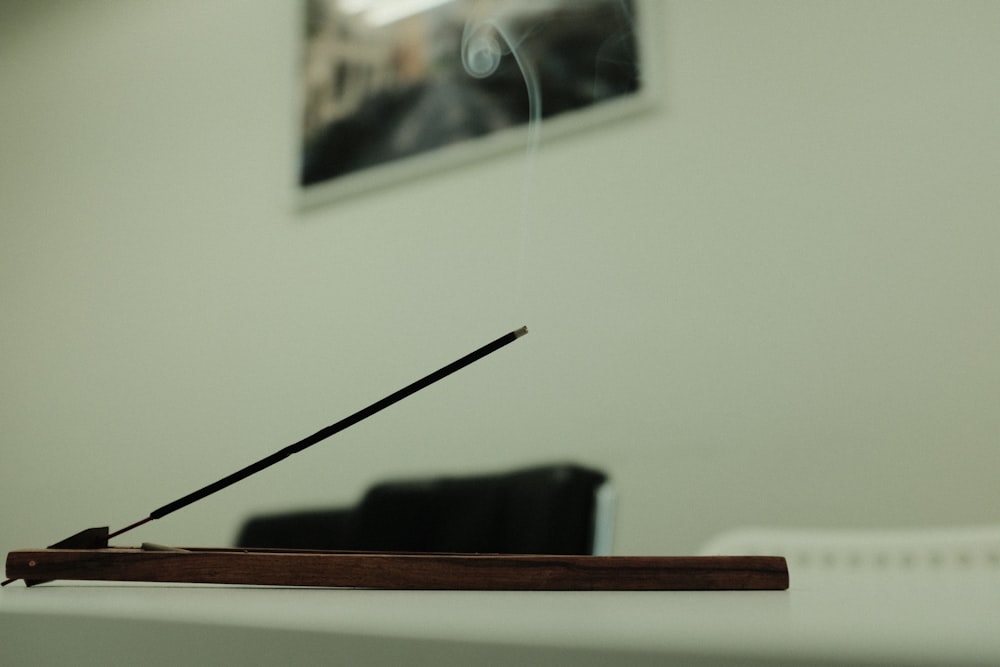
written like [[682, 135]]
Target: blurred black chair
[[554, 509]]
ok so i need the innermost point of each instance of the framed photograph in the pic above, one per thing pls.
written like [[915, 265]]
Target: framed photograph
[[393, 89]]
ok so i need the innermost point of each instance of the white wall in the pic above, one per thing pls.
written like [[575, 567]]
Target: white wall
[[771, 300]]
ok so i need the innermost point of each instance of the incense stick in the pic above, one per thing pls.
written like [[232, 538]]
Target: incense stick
[[325, 433]]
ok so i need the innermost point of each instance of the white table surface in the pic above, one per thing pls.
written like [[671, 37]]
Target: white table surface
[[939, 619]]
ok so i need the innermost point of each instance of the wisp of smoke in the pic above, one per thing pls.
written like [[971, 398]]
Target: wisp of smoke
[[494, 30], [485, 41]]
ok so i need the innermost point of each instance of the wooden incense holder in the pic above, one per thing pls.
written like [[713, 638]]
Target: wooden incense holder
[[87, 555], [387, 570]]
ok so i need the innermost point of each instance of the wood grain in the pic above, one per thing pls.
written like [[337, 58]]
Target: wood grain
[[386, 570]]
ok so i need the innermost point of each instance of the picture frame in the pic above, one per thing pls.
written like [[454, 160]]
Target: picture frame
[[396, 89]]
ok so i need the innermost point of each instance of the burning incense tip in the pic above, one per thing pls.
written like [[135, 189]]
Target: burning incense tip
[[520, 332]]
